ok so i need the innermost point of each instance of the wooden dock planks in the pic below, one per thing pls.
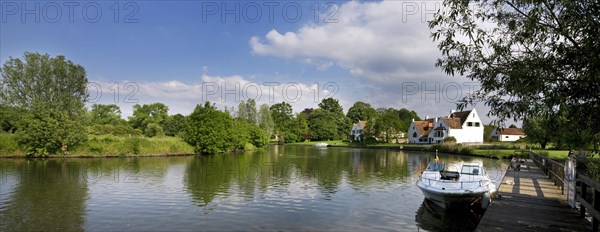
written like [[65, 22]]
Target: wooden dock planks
[[531, 202]]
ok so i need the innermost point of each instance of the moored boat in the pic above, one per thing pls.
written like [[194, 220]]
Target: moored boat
[[321, 145], [469, 184]]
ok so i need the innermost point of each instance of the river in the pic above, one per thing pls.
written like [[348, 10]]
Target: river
[[279, 188]]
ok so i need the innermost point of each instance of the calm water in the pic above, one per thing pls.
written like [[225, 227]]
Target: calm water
[[281, 188]]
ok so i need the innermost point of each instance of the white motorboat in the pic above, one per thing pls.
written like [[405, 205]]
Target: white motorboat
[[469, 184], [321, 145]]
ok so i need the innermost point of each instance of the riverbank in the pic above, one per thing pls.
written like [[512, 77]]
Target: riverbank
[[495, 151], [108, 146]]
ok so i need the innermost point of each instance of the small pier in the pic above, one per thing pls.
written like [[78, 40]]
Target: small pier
[[530, 201]]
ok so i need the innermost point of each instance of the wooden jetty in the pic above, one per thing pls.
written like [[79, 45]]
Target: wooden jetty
[[530, 201]]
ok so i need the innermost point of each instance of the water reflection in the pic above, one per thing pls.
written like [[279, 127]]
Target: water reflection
[[431, 217], [280, 188], [49, 195]]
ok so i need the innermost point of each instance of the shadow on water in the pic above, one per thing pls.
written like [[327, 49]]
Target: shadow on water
[[431, 217]]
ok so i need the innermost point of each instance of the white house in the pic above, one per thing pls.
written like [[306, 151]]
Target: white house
[[508, 134], [464, 126], [357, 130]]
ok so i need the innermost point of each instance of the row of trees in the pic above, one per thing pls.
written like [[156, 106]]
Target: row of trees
[[42, 101]]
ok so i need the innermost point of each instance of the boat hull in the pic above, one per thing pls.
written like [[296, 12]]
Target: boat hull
[[450, 199]]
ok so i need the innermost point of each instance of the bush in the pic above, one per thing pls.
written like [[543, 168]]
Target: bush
[[450, 139], [154, 130]]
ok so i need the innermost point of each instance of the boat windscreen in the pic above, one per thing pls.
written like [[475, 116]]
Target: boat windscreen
[[471, 170], [436, 166]]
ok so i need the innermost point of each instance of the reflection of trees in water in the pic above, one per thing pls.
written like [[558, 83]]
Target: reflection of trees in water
[[50, 195], [279, 166]]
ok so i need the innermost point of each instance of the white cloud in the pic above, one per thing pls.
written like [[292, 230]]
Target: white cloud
[[380, 42], [386, 45], [224, 91]]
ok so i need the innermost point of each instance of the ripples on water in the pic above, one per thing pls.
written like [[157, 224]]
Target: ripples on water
[[281, 188]]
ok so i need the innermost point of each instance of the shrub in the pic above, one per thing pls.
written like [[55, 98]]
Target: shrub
[[154, 130]]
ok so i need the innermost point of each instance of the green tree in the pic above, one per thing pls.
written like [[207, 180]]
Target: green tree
[[9, 118], [283, 120], [384, 125], [146, 114], [265, 121], [174, 124], [322, 125], [209, 130], [531, 57], [361, 111], [154, 130], [105, 114], [540, 129], [247, 111], [301, 126], [342, 123], [50, 93]]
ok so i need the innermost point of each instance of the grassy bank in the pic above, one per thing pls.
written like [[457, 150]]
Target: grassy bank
[[109, 145], [496, 150]]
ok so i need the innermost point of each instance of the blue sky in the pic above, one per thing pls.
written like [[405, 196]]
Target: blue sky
[[375, 51]]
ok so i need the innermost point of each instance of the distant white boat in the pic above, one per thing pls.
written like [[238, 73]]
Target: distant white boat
[[321, 145], [467, 185]]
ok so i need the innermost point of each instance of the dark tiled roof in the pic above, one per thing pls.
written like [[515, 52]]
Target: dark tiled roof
[[511, 131]]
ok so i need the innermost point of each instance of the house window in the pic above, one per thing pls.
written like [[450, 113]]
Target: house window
[[414, 134], [477, 124], [469, 124]]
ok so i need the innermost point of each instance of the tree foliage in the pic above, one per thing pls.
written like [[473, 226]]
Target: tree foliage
[[146, 114], [361, 111], [105, 114], [209, 130], [532, 58], [265, 120], [247, 111], [212, 131], [174, 124], [50, 93]]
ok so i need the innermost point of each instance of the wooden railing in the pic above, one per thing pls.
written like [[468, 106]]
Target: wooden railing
[[592, 208], [554, 170]]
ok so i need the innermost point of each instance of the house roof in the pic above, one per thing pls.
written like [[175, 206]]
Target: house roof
[[511, 131], [362, 124], [462, 115], [454, 123], [424, 127]]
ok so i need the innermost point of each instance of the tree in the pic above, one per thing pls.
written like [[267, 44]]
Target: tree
[[265, 121], [513, 126], [384, 125], [154, 130], [301, 126], [331, 105], [283, 119], [209, 130], [174, 124], [531, 57], [247, 111], [322, 125], [540, 129], [361, 111], [9, 117], [146, 114], [105, 114], [342, 123], [50, 93]]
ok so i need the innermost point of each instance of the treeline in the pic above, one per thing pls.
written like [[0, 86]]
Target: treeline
[[42, 101]]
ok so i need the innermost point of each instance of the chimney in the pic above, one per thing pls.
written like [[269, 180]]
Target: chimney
[[413, 119], [426, 117], [436, 119]]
